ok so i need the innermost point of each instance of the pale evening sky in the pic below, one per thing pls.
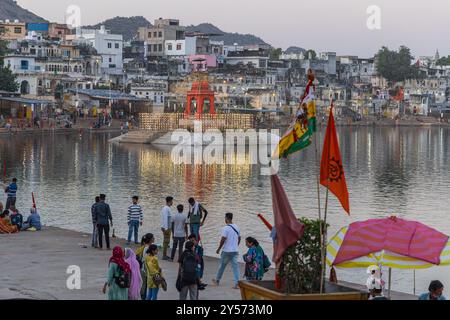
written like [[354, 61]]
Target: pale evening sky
[[323, 25]]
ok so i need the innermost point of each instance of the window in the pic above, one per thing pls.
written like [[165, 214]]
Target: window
[[160, 47], [109, 45], [112, 66], [159, 34], [117, 46], [155, 34], [150, 48], [2, 29], [110, 60], [155, 48], [24, 65], [179, 46], [17, 30], [169, 47], [149, 34]]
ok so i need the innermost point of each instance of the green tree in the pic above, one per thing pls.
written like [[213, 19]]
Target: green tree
[[311, 53], [275, 53], [444, 61], [396, 66], [7, 78]]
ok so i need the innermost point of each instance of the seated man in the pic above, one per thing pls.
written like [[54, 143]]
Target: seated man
[[33, 221], [16, 218]]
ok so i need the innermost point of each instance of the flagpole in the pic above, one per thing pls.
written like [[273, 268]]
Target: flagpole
[[324, 228]]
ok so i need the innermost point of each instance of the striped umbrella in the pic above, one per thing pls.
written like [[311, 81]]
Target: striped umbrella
[[392, 242]]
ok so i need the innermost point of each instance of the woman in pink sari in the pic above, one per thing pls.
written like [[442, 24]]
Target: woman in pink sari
[[134, 292]]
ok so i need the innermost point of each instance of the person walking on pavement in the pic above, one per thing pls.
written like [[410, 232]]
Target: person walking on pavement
[[166, 223], [94, 224], [231, 238], [179, 231], [103, 216], [197, 216], [135, 219]]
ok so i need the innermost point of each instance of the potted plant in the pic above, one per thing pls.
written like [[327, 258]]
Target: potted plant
[[299, 274]]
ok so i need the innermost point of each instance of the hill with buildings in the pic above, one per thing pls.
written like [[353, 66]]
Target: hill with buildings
[[227, 37], [10, 10], [126, 26]]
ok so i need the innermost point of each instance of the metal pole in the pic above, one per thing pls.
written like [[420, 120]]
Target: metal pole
[[390, 283], [414, 282]]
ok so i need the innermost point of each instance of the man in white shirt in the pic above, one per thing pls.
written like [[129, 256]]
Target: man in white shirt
[[231, 238], [166, 223], [179, 231]]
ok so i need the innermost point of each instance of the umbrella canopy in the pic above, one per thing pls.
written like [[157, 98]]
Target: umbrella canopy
[[391, 242]]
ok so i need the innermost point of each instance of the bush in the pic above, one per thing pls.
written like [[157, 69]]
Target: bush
[[301, 266]]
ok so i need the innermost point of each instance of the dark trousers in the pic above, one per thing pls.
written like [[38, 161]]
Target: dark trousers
[[103, 228], [10, 201], [177, 241]]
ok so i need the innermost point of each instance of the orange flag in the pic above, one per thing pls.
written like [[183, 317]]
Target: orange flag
[[331, 169]]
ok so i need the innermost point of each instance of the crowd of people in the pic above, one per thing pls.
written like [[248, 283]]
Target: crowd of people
[[11, 220], [135, 275]]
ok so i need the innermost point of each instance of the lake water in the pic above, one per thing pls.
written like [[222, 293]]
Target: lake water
[[389, 171]]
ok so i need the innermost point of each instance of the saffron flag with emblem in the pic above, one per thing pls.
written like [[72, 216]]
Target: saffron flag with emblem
[[299, 134], [331, 169]]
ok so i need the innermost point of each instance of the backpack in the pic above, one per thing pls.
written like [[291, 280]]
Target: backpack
[[189, 269], [123, 280]]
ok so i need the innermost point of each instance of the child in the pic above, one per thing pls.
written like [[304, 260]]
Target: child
[[153, 269], [141, 254], [198, 251]]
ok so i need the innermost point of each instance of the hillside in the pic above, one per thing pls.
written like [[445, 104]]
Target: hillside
[[128, 28], [10, 10], [125, 26], [227, 37]]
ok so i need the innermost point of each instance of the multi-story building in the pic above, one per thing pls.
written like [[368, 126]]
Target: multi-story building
[[162, 31], [109, 47], [256, 58], [154, 90], [12, 30]]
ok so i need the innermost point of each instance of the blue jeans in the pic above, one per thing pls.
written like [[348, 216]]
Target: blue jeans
[[195, 229], [94, 235], [152, 294], [133, 226], [225, 258]]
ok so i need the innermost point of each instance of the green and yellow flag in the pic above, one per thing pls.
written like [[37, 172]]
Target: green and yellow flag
[[299, 134]]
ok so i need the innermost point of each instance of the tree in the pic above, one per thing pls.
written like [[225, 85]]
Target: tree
[[275, 53], [444, 61], [7, 78], [396, 66], [311, 54]]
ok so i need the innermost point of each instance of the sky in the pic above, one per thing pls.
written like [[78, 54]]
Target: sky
[[323, 25]]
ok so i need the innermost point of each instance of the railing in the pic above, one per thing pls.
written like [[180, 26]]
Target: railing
[[174, 121]]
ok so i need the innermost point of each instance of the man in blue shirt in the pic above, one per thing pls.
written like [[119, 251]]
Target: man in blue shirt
[[33, 221], [435, 291], [11, 190]]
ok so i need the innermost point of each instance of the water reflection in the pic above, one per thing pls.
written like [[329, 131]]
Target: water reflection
[[402, 171]]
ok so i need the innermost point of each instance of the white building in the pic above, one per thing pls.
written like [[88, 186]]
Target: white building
[[153, 90], [183, 47], [109, 47], [26, 71]]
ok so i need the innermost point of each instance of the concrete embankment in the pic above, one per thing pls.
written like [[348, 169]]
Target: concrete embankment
[[34, 266]]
